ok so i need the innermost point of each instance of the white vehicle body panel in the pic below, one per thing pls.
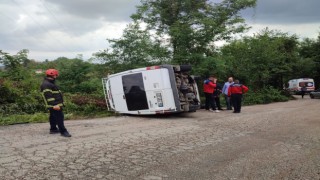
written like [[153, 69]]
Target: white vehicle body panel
[[117, 93], [146, 91]]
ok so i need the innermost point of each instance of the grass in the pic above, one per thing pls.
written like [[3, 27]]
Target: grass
[[43, 117], [23, 118]]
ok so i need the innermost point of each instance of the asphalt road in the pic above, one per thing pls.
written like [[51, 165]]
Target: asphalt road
[[274, 141]]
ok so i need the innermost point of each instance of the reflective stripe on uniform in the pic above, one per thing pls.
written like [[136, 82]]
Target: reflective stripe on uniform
[[46, 90], [50, 106], [50, 99], [44, 98], [49, 90]]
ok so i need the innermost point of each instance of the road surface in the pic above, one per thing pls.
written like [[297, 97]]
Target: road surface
[[274, 141]]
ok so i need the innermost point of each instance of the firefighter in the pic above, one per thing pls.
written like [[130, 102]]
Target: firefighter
[[54, 102], [235, 91], [208, 88]]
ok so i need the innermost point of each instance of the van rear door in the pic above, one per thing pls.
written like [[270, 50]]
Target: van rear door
[[108, 94], [308, 83], [117, 93]]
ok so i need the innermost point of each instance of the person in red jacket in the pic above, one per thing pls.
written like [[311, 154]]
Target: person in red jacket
[[208, 88], [235, 91]]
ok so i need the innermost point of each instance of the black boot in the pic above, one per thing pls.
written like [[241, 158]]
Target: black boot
[[65, 134], [54, 131]]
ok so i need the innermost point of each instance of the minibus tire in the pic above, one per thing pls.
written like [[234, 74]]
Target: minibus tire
[[185, 68]]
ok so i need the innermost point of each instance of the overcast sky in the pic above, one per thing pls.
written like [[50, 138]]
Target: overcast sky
[[56, 28]]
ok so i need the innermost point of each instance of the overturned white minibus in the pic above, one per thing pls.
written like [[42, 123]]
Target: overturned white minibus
[[160, 89]]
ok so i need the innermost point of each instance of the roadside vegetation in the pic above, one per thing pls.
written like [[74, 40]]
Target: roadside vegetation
[[20, 98], [174, 32]]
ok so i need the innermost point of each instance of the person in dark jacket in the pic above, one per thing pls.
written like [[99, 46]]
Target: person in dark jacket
[[54, 102], [303, 91], [216, 96], [235, 91]]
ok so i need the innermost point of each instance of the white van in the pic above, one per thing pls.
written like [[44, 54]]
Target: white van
[[161, 89], [295, 85]]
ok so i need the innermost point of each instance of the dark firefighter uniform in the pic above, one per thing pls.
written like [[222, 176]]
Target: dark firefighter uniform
[[53, 97], [235, 91]]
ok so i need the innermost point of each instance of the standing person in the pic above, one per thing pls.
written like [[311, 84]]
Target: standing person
[[225, 92], [54, 102], [303, 91], [216, 96], [235, 92], [208, 88]]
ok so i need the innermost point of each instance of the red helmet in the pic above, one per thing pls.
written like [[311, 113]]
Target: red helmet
[[52, 72]]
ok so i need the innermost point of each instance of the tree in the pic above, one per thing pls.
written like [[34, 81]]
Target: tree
[[18, 85], [14, 64], [134, 49], [72, 72], [193, 25], [268, 58], [309, 64], [13, 61]]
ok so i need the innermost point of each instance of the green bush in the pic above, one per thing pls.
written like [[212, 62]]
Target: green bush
[[264, 96], [85, 105], [44, 117], [20, 97], [23, 118], [90, 86]]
